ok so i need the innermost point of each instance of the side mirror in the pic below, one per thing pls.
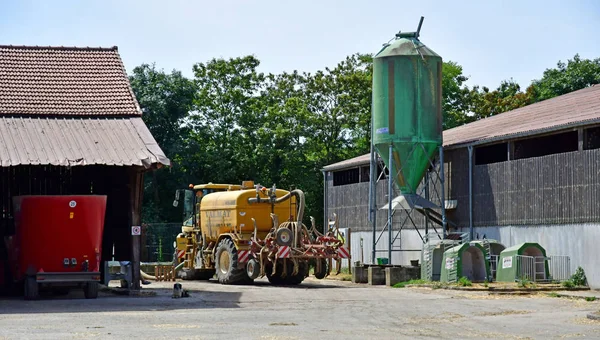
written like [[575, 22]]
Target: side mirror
[[177, 195], [175, 203]]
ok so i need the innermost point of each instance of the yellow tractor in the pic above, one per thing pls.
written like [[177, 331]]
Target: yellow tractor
[[243, 232]]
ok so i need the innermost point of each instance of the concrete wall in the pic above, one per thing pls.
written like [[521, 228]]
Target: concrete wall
[[581, 242]]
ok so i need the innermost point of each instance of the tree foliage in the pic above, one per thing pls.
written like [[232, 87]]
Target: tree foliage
[[576, 74]]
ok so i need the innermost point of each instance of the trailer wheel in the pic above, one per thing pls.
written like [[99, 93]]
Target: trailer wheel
[[31, 288], [226, 260], [90, 290], [253, 269], [323, 272]]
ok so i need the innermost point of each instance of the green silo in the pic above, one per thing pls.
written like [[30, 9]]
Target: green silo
[[407, 107]]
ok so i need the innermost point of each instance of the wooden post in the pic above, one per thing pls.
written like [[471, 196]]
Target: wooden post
[[135, 189]]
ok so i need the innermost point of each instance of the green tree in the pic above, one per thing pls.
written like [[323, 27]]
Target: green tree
[[508, 96], [165, 100], [455, 96], [228, 113], [576, 74]]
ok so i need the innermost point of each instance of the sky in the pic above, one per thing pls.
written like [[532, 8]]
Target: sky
[[492, 40]]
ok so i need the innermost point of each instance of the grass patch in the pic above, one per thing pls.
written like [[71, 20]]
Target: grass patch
[[463, 281], [590, 298], [411, 282], [553, 294]]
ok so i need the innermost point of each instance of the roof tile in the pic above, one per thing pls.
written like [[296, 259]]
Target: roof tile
[[64, 81]]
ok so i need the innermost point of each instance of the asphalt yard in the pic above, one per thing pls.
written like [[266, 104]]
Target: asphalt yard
[[324, 309]]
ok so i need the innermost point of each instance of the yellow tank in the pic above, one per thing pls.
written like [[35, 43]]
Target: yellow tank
[[222, 212]]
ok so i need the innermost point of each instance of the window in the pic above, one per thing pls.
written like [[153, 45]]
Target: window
[[365, 173], [344, 177], [546, 145], [591, 138], [491, 154]]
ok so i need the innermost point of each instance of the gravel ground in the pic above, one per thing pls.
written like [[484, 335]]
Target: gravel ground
[[323, 309]]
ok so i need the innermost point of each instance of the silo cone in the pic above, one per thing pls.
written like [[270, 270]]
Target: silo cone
[[407, 108]]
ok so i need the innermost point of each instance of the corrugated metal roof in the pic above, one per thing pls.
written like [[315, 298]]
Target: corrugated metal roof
[[578, 108], [349, 163], [39, 80], [77, 141]]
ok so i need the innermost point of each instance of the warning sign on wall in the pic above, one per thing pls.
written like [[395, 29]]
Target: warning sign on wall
[[449, 262], [136, 230], [507, 262]]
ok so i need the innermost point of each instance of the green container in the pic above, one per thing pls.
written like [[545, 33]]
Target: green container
[[510, 268], [469, 260], [407, 107], [382, 260]]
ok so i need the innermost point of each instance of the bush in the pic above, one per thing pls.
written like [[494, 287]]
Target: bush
[[463, 281], [579, 278], [524, 283], [568, 284]]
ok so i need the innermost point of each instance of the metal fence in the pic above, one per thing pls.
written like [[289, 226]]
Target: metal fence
[[157, 241], [494, 265], [543, 269]]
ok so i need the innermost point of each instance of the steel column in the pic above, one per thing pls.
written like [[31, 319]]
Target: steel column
[[373, 200], [325, 203], [470, 148], [443, 191], [390, 197], [427, 198]]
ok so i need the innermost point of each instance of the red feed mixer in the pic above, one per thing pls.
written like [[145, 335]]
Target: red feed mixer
[[57, 243]]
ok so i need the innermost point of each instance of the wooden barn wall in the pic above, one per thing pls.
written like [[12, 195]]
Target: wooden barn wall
[[115, 182], [351, 204], [555, 189]]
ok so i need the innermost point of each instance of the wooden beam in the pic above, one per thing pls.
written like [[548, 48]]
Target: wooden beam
[[135, 189]]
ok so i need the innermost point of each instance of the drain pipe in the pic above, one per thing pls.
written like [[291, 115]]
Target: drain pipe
[[470, 148]]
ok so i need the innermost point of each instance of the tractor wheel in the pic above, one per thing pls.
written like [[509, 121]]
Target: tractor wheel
[[226, 260], [323, 272], [31, 288], [90, 290], [302, 271], [275, 279]]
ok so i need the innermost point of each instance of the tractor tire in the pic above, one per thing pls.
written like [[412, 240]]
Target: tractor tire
[[323, 272], [302, 273], [275, 279], [32, 288], [226, 263], [90, 290]]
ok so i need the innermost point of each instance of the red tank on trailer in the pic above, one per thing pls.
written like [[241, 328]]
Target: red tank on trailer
[[57, 241]]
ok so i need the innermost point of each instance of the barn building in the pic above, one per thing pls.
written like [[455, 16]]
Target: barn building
[[70, 124], [527, 175]]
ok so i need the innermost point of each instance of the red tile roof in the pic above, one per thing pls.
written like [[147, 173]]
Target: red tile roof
[[64, 81]]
